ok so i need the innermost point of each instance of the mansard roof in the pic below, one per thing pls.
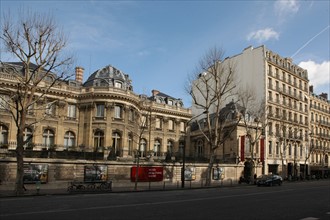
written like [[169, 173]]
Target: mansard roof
[[109, 76]]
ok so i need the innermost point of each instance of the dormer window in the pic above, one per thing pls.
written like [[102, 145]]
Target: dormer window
[[118, 85]]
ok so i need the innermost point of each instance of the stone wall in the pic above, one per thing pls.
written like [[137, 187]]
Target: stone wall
[[62, 171]]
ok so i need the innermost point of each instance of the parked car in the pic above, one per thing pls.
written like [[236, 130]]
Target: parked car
[[269, 180]]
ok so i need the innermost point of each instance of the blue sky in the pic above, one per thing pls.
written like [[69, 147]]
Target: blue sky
[[159, 43]]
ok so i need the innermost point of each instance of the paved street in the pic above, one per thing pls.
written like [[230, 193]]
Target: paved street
[[294, 201]]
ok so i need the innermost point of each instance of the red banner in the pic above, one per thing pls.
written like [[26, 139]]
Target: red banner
[[242, 147], [262, 149], [147, 174]]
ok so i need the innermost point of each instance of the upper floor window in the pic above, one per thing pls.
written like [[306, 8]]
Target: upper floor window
[[118, 111], [170, 125], [3, 134], [71, 111], [31, 109], [50, 109], [118, 84], [144, 121], [131, 115], [182, 127], [100, 110], [4, 101], [158, 123]]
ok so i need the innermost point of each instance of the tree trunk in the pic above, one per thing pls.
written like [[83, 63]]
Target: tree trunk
[[19, 185], [209, 170]]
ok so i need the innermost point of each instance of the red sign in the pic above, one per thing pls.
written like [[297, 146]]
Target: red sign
[[262, 149], [147, 174], [242, 147]]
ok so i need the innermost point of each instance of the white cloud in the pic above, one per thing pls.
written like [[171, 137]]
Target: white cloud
[[263, 35], [286, 7], [318, 73]]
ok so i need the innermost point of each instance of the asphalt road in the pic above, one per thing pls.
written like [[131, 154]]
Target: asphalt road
[[294, 201]]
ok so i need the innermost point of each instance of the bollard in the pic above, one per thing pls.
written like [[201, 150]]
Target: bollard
[[38, 183]]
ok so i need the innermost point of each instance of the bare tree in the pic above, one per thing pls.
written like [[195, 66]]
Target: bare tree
[[38, 45], [254, 121], [209, 89]]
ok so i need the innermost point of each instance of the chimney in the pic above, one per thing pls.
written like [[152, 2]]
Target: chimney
[[79, 74], [324, 95], [311, 89], [154, 92]]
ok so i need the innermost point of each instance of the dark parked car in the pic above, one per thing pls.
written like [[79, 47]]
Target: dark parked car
[[269, 180]]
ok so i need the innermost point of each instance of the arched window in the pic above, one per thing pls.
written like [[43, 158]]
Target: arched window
[[157, 148], [143, 147], [181, 148], [48, 137], [3, 135], [116, 145], [69, 139], [98, 140], [130, 144], [27, 134], [200, 148], [169, 146]]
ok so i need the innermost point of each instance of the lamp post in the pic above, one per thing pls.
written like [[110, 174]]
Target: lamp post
[[184, 151]]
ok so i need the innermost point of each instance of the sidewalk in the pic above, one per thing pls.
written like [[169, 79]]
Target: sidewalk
[[61, 189]]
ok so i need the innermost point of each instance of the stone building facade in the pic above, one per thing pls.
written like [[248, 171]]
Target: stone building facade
[[296, 135], [102, 114]]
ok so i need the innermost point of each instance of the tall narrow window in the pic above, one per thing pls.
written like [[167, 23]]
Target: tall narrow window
[[71, 111], [200, 148], [27, 134], [169, 147], [48, 138], [98, 140], [157, 148], [130, 144], [170, 125], [99, 110], [118, 112], [181, 148], [182, 127], [3, 135], [131, 115], [143, 148], [144, 121], [158, 123], [69, 139], [270, 149], [116, 145]]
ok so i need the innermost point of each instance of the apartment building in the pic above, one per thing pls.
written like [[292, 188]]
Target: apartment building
[[319, 133], [288, 144]]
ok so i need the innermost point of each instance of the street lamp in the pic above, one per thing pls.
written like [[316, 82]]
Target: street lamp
[[184, 151]]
